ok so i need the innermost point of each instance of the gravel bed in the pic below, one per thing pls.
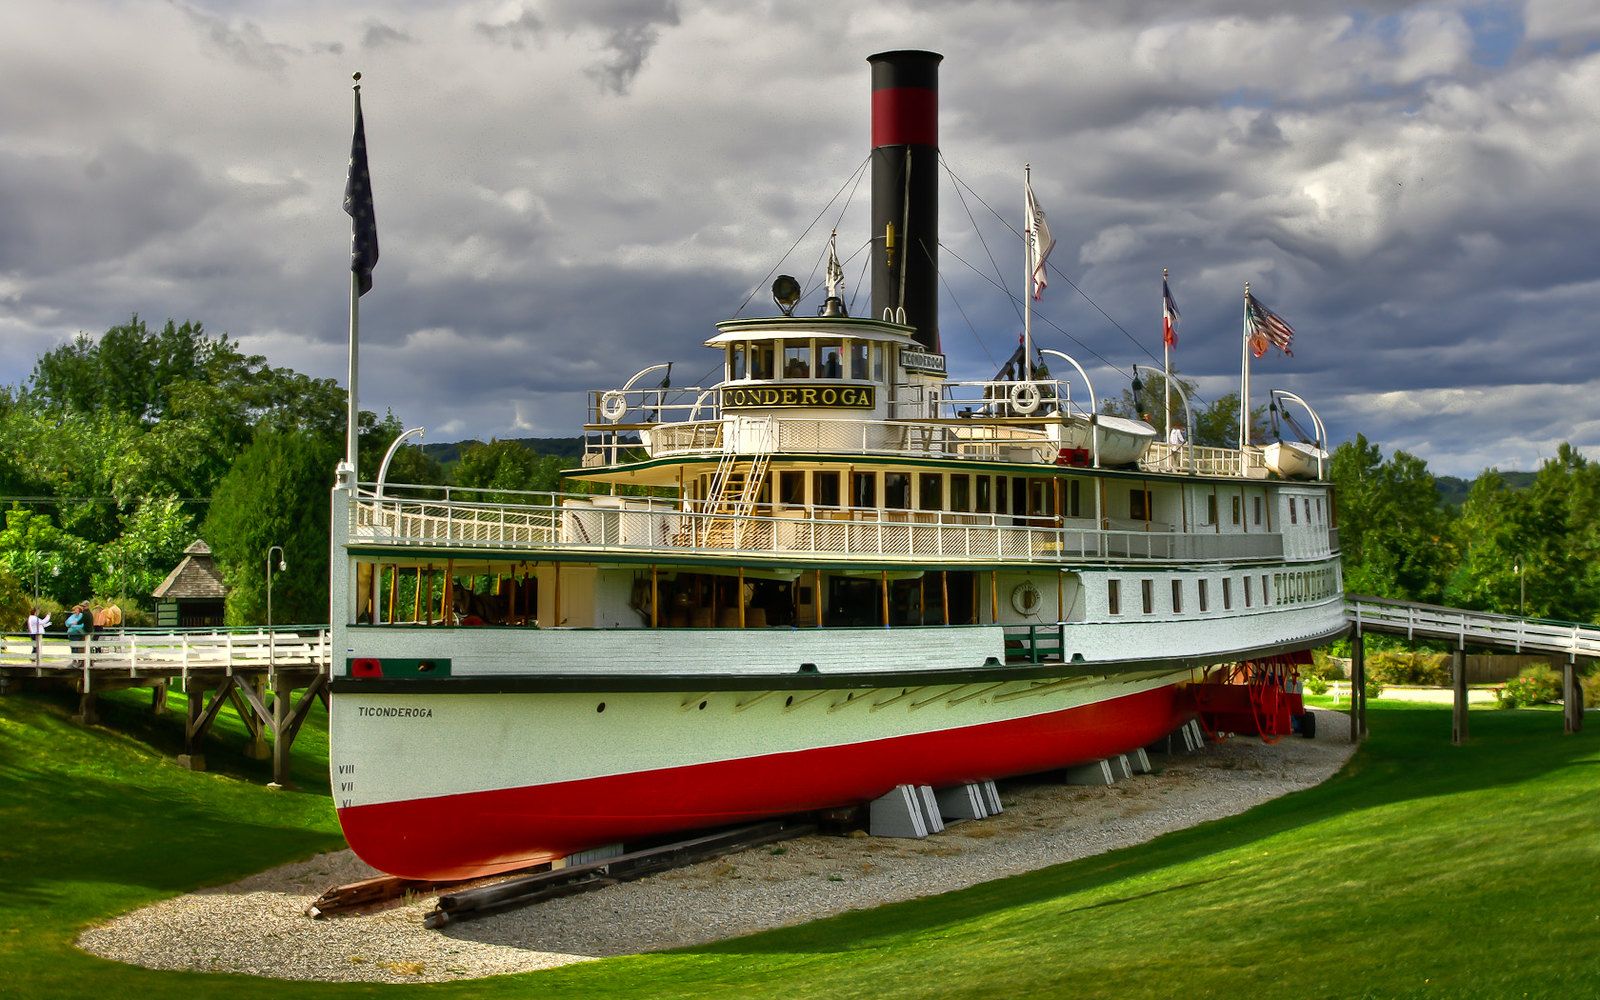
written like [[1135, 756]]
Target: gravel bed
[[257, 926]]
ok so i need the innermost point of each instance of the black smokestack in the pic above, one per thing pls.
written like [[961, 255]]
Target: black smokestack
[[905, 189]]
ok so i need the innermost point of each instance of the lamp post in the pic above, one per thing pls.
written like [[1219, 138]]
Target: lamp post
[[282, 565], [1522, 588]]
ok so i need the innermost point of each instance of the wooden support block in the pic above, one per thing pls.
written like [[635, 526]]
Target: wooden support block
[[86, 716], [158, 697]]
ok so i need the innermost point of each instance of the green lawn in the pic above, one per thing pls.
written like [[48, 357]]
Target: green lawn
[[1422, 870]]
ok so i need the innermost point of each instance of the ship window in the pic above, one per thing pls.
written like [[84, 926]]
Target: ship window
[[960, 492], [825, 489], [1256, 502], [736, 355], [1247, 591], [1227, 593], [1114, 596], [1177, 597], [1211, 509], [1001, 506], [797, 362], [1038, 499], [858, 360], [761, 361], [877, 362], [830, 361], [1139, 505], [1292, 519], [863, 489], [897, 490], [792, 488], [1236, 510], [1074, 498], [1266, 597], [985, 495], [1204, 605], [930, 491], [1147, 596], [1319, 508]]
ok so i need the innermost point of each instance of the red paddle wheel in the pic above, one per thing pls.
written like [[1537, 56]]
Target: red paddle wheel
[[1260, 697]]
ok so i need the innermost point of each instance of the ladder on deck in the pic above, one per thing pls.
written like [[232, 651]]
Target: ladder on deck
[[735, 486]]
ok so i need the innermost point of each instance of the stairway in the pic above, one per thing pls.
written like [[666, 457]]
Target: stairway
[[735, 488]]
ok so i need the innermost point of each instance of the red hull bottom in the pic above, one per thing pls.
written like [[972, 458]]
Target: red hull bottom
[[481, 833]]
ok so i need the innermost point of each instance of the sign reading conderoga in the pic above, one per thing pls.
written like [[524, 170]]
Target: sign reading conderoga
[[854, 397]]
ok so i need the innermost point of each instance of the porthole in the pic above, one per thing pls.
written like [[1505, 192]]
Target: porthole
[[600, 707], [788, 702], [702, 706]]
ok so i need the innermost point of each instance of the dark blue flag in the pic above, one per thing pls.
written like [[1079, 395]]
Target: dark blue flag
[[358, 205]]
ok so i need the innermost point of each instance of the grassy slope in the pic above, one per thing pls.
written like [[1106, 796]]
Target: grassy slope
[[1422, 870]]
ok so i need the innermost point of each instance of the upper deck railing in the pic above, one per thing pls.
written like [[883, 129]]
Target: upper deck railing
[[833, 435], [664, 527]]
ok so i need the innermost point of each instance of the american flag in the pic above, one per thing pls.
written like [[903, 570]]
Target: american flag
[[1267, 328], [1040, 243], [358, 204], [1169, 315]]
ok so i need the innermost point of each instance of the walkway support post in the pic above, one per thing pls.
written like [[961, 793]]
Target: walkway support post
[[1357, 668], [1571, 697], [1458, 683]]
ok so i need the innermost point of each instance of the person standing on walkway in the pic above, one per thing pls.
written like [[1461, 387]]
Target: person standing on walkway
[[78, 629], [36, 627]]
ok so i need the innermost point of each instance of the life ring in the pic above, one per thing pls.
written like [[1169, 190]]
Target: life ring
[[1025, 398], [1025, 598], [613, 405]]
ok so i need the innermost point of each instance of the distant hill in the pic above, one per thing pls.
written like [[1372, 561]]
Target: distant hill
[[1453, 489], [567, 447]]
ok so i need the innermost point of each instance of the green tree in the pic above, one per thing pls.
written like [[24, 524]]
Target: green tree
[[15, 601], [1491, 536], [507, 465], [276, 493], [1393, 530], [154, 536], [31, 546]]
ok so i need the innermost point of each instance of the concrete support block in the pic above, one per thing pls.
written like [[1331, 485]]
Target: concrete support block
[[1097, 773], [1139, 761], [1121, 769], [904, 812], [1197, 736], [962, 802], [991, 796], [192, 761], [257, 749], [590, 856]]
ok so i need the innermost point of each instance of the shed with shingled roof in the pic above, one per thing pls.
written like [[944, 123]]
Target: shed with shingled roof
[[193, 594]]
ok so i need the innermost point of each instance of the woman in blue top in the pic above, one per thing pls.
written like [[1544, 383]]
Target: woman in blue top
[[77, 626]]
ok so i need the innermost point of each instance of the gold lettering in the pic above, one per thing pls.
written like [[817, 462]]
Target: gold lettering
[[830, 397]]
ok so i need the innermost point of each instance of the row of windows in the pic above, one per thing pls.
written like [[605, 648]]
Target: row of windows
[[960, 492], [1295, 587], [846, 359], [1305, 505]]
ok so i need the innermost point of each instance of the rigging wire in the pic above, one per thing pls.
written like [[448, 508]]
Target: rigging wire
[[952, 292], [803, 235], [810, 287], [965, 207], [1065, 277]]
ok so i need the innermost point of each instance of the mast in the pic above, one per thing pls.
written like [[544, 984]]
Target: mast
[[1029, 241], [1244, 377], [1166, 362]]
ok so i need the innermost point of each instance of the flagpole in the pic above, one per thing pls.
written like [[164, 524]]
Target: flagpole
[[353, 429], [1244, 377], [1166, 359], [1029, 238]]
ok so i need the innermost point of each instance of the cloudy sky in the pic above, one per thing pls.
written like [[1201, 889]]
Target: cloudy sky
[[570, 190]]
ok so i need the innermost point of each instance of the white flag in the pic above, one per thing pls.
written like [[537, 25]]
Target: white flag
[[1040, 243]]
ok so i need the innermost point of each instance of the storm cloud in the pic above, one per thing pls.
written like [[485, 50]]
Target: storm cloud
[[568, 192]]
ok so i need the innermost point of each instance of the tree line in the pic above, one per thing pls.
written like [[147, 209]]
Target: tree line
[[120, 450]]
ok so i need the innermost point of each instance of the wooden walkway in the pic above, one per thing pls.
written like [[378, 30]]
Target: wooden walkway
[[1463, 628], [257, 671]]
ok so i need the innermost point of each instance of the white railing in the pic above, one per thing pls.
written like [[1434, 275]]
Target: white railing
[[645, 524], [1203, 461], [1002, 398], [140, 652], [1429, 621]]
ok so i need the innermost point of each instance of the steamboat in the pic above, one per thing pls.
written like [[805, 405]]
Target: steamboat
[[834, 571]]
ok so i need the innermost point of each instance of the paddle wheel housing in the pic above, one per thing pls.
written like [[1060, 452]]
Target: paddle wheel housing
[[1263, 697]]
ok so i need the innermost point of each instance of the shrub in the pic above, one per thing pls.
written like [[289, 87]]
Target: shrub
[[1316, 685], [1536, 685], [1325, 666], [1590, 685], [1390, 667]]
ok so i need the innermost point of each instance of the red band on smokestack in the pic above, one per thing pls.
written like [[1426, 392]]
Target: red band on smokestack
[[905, 116]]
